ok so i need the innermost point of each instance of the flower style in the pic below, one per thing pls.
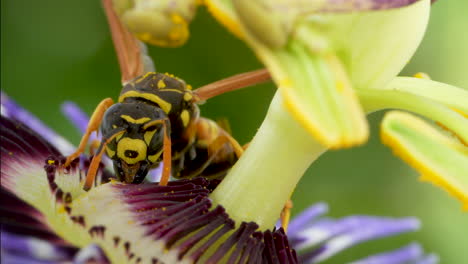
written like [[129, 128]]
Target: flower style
[[48, 218]]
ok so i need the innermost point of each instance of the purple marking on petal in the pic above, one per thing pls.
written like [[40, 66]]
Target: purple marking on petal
[[12, 242], [14, 111], [383, 229], [299, 222], [411, 252], [336, 6], [155, 174], [18, 258], [74, 113], [429, 259], [327, 228], [34, 249], [371, 230], [91, 254]]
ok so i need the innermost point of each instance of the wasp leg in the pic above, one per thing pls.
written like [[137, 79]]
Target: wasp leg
[[236, 146], [232, 83], [286, 215], [93, 167], [167, 156], [245, 146], [167, 149], [225, 131], [211, 134], [93, 125]]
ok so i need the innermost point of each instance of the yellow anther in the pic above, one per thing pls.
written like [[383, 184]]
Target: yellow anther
[[422, 75]]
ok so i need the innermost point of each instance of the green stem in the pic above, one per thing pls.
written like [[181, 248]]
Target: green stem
[[261, 182]]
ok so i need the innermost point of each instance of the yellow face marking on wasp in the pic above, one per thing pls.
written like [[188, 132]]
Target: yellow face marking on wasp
[[161, 84], [110, 152], [131, 150], [135, 121], [188, 97], [118, 137], [185, 116], [148, 136], [154, 158], [165, 106]]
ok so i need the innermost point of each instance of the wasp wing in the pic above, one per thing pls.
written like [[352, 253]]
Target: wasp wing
[[131, 53]]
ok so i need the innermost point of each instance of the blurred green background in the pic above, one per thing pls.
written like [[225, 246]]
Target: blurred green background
[[53, 50]]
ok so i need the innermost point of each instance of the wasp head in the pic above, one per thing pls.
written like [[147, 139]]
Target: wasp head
[[139, 147]]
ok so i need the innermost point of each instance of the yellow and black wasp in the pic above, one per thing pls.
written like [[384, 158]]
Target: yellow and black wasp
[[156, 119]]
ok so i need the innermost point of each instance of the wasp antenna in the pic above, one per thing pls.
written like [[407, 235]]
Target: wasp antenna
[[232, 83], [93, 167], [167, 154]]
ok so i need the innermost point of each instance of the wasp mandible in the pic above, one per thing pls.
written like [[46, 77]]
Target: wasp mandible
[[156, 119]]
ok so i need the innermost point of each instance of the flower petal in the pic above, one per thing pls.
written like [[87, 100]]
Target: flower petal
[[361, 230], [362, 5], [20, 219], [319, 238], [306, 218], [375, 46], [79, 118], [21, 249], [92, 253], [175, 221], [356, 226], [412, 253], [24, 153], [440, 159], [141, 223], [13, 111]]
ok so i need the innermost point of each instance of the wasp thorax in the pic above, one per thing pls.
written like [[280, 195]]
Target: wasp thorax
[[138, 139]]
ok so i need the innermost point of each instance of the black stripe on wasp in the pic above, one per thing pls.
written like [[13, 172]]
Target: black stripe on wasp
[[156, 119]]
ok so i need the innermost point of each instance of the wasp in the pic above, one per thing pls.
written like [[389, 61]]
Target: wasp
[[157, 120]]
